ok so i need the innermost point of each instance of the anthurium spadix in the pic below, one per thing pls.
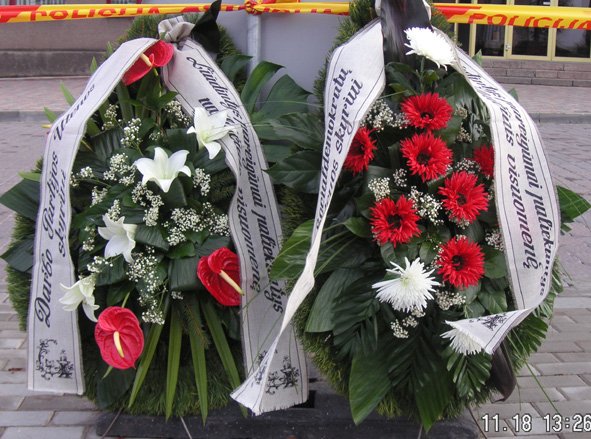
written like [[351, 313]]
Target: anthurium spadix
[[210, 128], [163, 169], [121, 237]]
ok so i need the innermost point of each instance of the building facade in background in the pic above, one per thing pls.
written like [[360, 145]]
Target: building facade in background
[[521, 43]]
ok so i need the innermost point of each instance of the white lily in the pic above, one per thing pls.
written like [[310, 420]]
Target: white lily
[[410, 290], [209, 128], [163, 169], [426, 42], [82, 292], [121, 237]]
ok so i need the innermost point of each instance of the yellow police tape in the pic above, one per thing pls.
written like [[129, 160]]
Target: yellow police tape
[[499, 15]]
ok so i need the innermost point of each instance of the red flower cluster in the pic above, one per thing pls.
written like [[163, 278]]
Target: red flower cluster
[[361, 151], [463, 197], [428, 111], [461, 262], [157, 55], [394, 221], [119, 337], [428, 156], [220, 274], [485, 157]]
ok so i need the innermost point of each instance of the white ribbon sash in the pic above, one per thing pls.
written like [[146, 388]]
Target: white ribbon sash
[[254, 222], [54, 353], [355, 79], [526, 205]]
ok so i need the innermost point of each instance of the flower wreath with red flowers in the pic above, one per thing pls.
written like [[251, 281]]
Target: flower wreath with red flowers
[[158, 282], [411, 242]]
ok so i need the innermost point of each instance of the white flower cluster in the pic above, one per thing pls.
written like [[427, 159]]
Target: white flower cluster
[[114, 211], [495, 239], [85, 173], [399, 177], [156, 137], [153, 314], [98, 195], [131, 133], [120, 170], [184, 220], [88, 244], [379, 187], [446, 299], [379, 116], [178, 119], [143, 268], [462, 112], [467, 165], [99, 264], [146, 198], [464, 136], [202, 181], [176, 295], [397, 330], [426, 205], [110, 121], [400, 121]]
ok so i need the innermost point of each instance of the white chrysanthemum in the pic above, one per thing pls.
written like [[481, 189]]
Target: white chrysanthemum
[[426, 42], [411, 289], [462, 342]]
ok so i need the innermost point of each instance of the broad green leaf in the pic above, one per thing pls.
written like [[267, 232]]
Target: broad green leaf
[[175, 337], [20, 255], [199, 363], [474, 309], [67, 95], [359, 227], [474, 232], [368, 384], [183, 250], [33, 176], [470, 293], [301, 171], [23, 198], [285, 97], [305, 130], [111, 388], [50, 115], [494, 264], [182, 274], [221, 343], [106, 143], [115, 273], [450, 132], [146, 358], [256, 81], [175, 197], [117, 293], [427, 252], [321, 315], [124, 98], [432, 395], [275, 153], [177, 139], [572, 205], [211, 244], [151, 236], [495, 302], [233, 64]]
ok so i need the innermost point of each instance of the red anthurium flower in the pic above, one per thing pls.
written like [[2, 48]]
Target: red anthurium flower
[[429, 111], [463, 197], [119, 337], [157, 55], [361, 151], [220, 274], [427, 156], [461, 262], [394, 221], [485, 157]]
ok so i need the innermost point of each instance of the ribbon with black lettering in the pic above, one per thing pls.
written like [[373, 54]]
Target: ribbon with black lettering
[[354, 80], [526, 205], [54, 353], [254, 221]]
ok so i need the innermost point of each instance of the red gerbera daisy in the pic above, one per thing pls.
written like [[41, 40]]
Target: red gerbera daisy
[[394, 221], [157, 55], [361, 151], [464, 198], [485, 157], [429, 111], [461, 262], [427, 155]]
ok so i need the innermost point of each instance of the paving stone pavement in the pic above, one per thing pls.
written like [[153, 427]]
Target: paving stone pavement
[[560, 371]]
